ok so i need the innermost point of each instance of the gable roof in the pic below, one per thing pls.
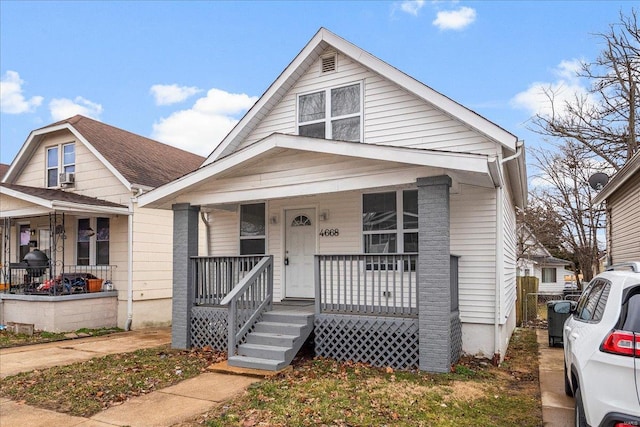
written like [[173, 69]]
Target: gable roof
[[476, 168], [311, 52], [631, 168], [137, 161]]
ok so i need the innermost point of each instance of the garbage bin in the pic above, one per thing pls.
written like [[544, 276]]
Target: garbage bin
[[557, 312]]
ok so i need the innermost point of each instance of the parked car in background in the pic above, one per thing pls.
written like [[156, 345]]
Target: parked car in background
[[602, 349]]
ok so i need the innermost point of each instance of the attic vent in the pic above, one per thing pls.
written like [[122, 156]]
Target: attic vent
[[328, 63]]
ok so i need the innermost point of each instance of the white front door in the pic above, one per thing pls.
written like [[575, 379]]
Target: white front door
[[300, 247]]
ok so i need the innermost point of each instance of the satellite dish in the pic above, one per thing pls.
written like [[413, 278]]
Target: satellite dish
[[598, 180]]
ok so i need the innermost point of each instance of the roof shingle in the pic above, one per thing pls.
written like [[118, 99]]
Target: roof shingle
[[140, 160]]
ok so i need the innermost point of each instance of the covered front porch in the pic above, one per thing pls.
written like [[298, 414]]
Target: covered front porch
[[56, 269], [387, 308], [365, 309]]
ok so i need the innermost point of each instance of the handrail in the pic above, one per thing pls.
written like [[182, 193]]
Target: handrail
[[252, 306]]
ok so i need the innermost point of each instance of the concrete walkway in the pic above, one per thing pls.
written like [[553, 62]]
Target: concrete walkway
[[164, 407], [557, 407]]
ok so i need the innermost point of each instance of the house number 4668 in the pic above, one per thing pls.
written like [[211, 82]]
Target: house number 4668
[[330, 232]]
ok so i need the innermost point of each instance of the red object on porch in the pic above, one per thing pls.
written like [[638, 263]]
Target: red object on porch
[[94, 285]]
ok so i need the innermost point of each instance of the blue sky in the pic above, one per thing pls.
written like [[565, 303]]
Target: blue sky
[[184, 72]]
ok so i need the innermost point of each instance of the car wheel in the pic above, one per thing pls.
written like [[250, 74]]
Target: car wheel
[[567, 385], [581, 419]]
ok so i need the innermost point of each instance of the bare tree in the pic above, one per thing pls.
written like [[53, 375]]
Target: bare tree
[[606, 120], [562, 188], [540, 223]]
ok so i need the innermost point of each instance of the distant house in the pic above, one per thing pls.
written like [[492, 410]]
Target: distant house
[[70, 194], [352, 187], [535, 260], [622, 197]]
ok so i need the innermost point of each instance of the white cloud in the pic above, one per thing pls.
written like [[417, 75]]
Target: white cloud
[[63, 108], [543, 98], [200, 128], [172, 94], [411, 6], [455, 19], [12, 101]]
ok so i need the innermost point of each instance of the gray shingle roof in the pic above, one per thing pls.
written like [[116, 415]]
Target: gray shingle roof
[[140, 160]]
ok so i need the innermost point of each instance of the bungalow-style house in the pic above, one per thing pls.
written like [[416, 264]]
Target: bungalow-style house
[[69, 204], [535, 260], [380, 209], [622, 197]]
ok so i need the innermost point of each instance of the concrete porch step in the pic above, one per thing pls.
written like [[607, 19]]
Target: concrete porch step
[[264, 351], [274, 341], [266, 338]]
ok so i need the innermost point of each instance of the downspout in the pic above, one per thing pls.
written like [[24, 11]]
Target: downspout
[[127, 326], [500, 254], [205, 219]]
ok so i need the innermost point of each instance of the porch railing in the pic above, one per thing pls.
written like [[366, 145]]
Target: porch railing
[[215, 277], [21, 279], [380, 284], [251, 297]]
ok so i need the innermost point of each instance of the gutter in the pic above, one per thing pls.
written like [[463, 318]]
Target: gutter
[[499, 265]]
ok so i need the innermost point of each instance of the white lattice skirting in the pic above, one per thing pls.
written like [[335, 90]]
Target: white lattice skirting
[[379, 341]]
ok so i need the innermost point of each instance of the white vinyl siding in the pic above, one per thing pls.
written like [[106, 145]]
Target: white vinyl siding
[[92, 178], [473, 238], [508, 294], [392, 116], [625, 229]]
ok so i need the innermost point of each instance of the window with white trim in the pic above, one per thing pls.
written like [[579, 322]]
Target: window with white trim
[[92, 242], [60, 159], [384, 229], [333, 113], [252, 229], [548, 275]]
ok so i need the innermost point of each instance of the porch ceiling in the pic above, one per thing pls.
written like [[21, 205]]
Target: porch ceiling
[[23, 201], [287, 166]]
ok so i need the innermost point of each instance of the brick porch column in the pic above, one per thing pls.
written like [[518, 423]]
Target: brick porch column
[[434, 292], [185, 245]]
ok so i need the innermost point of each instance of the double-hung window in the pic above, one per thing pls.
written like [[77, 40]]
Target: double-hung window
[[252, 229], [92, 246], [548, 275], [60, 159], [334, 113], [384, 229]]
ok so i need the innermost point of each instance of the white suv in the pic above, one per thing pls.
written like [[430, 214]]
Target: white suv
[[602, 349]]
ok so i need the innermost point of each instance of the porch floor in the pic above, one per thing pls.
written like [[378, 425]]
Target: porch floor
[[302, 306]]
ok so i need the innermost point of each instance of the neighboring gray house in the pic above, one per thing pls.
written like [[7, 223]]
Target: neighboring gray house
[[622, 197], [359, 195]]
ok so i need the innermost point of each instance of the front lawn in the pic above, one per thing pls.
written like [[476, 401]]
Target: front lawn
[[327, 393]]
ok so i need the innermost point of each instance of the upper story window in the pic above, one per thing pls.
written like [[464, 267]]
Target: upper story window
[[60, 159], [334, 113]]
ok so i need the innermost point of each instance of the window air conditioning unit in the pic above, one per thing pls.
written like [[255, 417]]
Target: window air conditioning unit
[[67, 178]]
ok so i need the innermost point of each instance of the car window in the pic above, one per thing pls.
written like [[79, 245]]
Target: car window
[[632, 321], [592, 304]]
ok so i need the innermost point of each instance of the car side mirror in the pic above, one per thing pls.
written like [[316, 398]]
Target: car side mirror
[[564, 307]]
